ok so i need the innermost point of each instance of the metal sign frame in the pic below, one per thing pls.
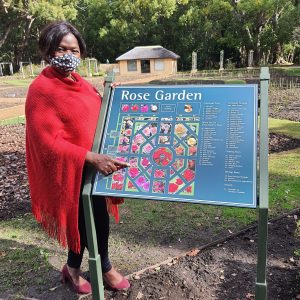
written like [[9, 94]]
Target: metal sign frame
[[261, 284], [185, 143], [94, 257]]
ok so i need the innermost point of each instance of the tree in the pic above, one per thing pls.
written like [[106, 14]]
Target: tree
[[112, 27], [19, 42], [263, 25]]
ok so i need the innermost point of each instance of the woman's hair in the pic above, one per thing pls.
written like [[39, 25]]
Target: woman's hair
[[53, 33]]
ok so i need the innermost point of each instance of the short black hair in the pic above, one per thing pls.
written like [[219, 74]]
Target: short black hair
[[53, 33]]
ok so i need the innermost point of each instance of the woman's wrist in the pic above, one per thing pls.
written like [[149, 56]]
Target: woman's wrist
[[89, 158]]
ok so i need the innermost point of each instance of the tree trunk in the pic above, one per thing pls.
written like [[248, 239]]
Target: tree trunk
[[243, 56], [279, 54], [20, 54], [257, 50], [8, 30]]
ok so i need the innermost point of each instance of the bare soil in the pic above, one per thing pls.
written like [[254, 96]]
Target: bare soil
[[225, 270], [13, 169], [285, 104]]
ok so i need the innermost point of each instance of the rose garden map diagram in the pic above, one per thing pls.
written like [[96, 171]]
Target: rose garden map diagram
[[183, 143]]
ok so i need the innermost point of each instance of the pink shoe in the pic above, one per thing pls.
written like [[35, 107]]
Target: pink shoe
[[85, 288], [123, 285]]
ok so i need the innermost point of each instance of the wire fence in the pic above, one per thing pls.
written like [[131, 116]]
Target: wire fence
[[226, 73], [285, 83], [277, 81]]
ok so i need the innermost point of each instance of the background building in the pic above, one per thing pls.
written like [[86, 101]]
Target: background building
[[148, 59]]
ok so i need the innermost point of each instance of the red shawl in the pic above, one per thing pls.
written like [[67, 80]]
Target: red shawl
[[61, 119]]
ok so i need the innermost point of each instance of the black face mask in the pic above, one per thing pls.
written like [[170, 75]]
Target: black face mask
[[66, 63]]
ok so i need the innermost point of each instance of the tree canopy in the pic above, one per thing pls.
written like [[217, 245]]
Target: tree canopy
[[271, 28]]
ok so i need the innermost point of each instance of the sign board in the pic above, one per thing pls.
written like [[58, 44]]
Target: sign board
[[184, 143]]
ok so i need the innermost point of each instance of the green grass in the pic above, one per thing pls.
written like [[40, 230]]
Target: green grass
[[175, 219], [25, 248], [23, 255], [284, 184], [17, 82], [235, 81], [13, 121], [21, 264], [289, 128], [289, 71], [19, 228]]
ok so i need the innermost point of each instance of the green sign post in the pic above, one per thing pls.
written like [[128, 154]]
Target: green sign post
[[94, 257], [261, 284]]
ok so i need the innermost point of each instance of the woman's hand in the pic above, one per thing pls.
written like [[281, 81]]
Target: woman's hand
[[104, 163], [113, 84]]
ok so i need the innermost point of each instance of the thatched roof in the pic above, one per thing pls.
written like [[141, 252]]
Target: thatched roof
[[147, 52]]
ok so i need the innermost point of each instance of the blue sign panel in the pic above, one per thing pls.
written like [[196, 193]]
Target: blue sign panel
[[183, 143]]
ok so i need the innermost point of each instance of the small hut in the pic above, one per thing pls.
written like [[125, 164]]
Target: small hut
[[148, 60]]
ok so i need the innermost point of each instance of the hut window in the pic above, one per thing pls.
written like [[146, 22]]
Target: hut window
[[131, 65], [159, 65]]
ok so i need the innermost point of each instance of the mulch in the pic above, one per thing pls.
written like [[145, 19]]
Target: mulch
[[14, 189], [223, 271], [226, 270]]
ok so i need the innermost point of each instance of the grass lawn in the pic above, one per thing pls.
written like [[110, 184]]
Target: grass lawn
[[173, 220], [17, 82], [289, 71], [24, 253], [145, 225], [13, 121], [289, 128], [234, 81]]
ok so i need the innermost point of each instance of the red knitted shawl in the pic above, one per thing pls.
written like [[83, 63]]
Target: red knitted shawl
[[61, 119]]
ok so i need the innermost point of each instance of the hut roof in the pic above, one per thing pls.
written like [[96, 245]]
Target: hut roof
[[146, 52]]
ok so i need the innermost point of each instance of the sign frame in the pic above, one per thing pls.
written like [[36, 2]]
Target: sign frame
[[236, 187], [263, 203]]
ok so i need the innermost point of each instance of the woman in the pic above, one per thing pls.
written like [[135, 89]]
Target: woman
[[61, 116]]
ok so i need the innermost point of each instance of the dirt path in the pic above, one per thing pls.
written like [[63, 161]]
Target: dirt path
[[12, 112], [11, 105]]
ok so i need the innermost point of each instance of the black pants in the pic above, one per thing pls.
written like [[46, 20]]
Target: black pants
[[102, 231]]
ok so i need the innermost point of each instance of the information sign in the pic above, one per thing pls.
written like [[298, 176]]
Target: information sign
[[184, 143]]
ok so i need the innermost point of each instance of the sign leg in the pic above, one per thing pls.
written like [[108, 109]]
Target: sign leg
[[94, 257], [261, 283]]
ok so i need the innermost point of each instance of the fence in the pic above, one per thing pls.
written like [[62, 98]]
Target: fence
[[89, 67], [226, 73], [285, 82], [278, 80]]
